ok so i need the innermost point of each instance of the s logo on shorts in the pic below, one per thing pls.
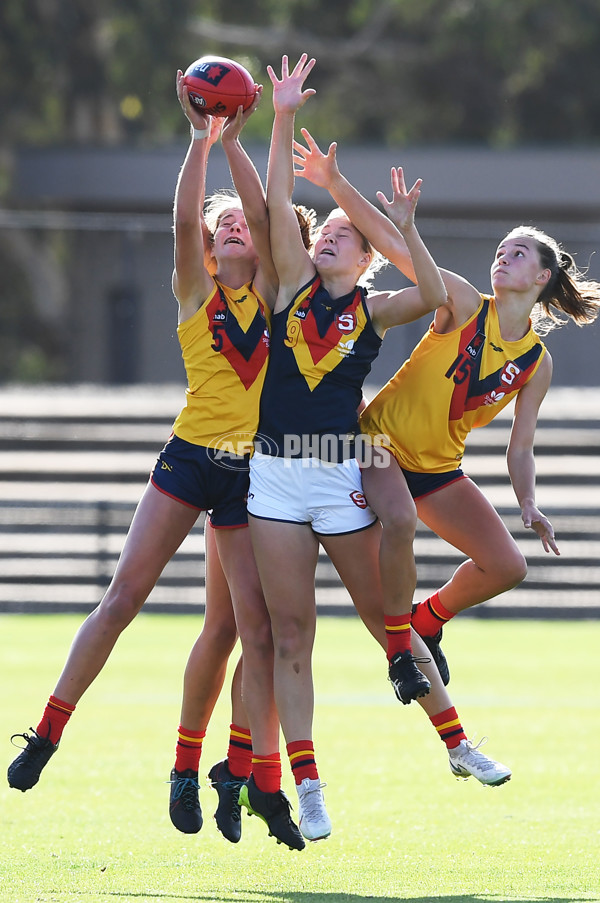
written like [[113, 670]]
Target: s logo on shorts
[[358, 499]]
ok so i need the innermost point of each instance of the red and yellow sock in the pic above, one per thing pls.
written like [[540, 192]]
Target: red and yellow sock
[[448, 726], [430, 615], [239, 752], [301, 754], [54, 719], [397, 631], [266, 771], [188, 749]]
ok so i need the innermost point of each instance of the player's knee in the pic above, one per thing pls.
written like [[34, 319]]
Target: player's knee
[[256, 635], [400, 525], [513, 570], [293, 639], [222, 635], [520, 570], [120, 605]]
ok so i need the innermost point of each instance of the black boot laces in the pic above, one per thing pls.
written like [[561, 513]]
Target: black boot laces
[[234, 787], [35, 745]]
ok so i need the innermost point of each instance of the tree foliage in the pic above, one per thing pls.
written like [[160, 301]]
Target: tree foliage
[[490, 72], [496, 73]]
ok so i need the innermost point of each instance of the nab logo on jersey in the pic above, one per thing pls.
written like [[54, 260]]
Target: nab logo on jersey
[[475, 345], [220, 316]]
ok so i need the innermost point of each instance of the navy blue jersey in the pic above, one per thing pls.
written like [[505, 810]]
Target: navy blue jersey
[[321, 352]]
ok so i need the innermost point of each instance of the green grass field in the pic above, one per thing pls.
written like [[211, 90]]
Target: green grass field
[[96, 828]]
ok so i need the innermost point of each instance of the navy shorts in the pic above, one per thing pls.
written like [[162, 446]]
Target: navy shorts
[[204, 478], [421, 484]]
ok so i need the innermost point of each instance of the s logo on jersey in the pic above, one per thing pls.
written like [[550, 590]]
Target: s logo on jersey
[[508, 375], [346, 322], [510, 372], [359, 499]]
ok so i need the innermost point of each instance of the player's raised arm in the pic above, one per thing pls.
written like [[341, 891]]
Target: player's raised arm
[[392, 309], [292, 261], [461, 298], [252, 195], [401, 212], [192, 282], [322, 169]]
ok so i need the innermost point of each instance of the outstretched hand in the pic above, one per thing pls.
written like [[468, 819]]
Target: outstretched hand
[[533, 519], [311, 163], [401, 208], [288, 93]]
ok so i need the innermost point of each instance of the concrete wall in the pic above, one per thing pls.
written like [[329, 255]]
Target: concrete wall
[[116, 211]]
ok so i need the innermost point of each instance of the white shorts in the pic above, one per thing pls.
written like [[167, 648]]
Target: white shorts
[[327, 496]]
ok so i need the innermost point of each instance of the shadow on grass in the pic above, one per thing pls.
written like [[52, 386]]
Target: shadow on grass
[[252, 896]]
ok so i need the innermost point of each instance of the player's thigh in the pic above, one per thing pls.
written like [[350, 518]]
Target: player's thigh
[[219, 618], [355, 557], [218, 594], [159, 526], [239, 566], [387, 493], [461, 515], [286, 554]]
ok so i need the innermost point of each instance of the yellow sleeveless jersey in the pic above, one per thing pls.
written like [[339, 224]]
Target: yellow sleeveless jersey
[[450, 384], [225, 348]]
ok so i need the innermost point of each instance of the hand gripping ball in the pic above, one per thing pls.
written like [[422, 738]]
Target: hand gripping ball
[[218, 86]]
